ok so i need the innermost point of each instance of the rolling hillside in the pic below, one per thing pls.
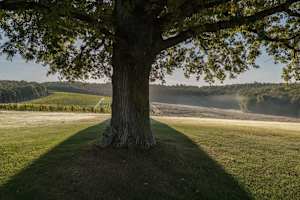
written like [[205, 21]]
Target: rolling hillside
[[64, 102], [68, 98]]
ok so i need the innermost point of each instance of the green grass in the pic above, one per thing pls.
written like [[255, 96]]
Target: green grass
[[67, 98], [194, 159], [64, 102]]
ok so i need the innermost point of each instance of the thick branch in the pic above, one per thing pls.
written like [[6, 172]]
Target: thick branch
[[225, 24], [19, 5]]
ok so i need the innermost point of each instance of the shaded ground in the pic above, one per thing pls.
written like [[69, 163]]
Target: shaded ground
[[164, 109]]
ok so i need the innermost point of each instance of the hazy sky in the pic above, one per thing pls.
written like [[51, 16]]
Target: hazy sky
[[18, 69]]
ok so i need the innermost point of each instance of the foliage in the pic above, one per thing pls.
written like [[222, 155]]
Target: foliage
[[17, 91], [214, 39]]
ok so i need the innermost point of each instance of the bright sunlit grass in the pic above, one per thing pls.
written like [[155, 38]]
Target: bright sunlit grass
[[67, 98]]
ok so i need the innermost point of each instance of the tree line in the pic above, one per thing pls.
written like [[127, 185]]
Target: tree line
[[18, 91], [104, 89], [275, 99]]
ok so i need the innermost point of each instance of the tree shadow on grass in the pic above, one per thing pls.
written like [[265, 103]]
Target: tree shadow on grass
[[75, 169]]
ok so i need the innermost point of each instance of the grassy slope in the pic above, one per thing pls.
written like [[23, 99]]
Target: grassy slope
[[194, 159], [66, 98]]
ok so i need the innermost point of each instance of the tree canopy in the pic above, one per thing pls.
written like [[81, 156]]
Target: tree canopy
[[17, 91], [212, 39]]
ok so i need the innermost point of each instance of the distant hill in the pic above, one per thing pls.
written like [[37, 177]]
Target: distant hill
[[105, 89], [67, 98], [63, 102], [188, 95], [156, 91], [266, 98], [17, 91], [275, 99], [80, 87]]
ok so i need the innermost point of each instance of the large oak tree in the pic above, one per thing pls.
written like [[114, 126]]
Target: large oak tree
[[136, 41]]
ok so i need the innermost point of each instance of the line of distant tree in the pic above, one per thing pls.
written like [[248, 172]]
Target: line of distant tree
[[104, 89], [18, 91], [275, 99]]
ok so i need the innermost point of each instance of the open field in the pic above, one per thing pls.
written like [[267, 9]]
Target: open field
[[15, 119], [64, 102], [165, 109], [54, 156], [68, 98]]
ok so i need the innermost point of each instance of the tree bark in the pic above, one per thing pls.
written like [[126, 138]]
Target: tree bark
[[130, 123], [133, 56]]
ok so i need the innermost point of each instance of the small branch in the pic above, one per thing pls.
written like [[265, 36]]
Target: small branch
[[284, 41], [189, 8]]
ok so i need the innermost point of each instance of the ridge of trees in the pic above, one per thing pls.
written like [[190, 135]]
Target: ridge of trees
[[18, 91], [276, 99], [247, 89]]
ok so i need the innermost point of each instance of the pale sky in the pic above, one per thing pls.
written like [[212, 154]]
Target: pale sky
[[18, 69]]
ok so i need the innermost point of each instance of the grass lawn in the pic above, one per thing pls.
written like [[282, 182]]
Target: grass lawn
[[194, 159], [67, 98]]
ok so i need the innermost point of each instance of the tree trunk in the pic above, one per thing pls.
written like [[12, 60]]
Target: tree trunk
[[132, 59], [130, 123]]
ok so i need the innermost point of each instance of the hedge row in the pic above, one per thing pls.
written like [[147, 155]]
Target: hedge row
[[104, 108]]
